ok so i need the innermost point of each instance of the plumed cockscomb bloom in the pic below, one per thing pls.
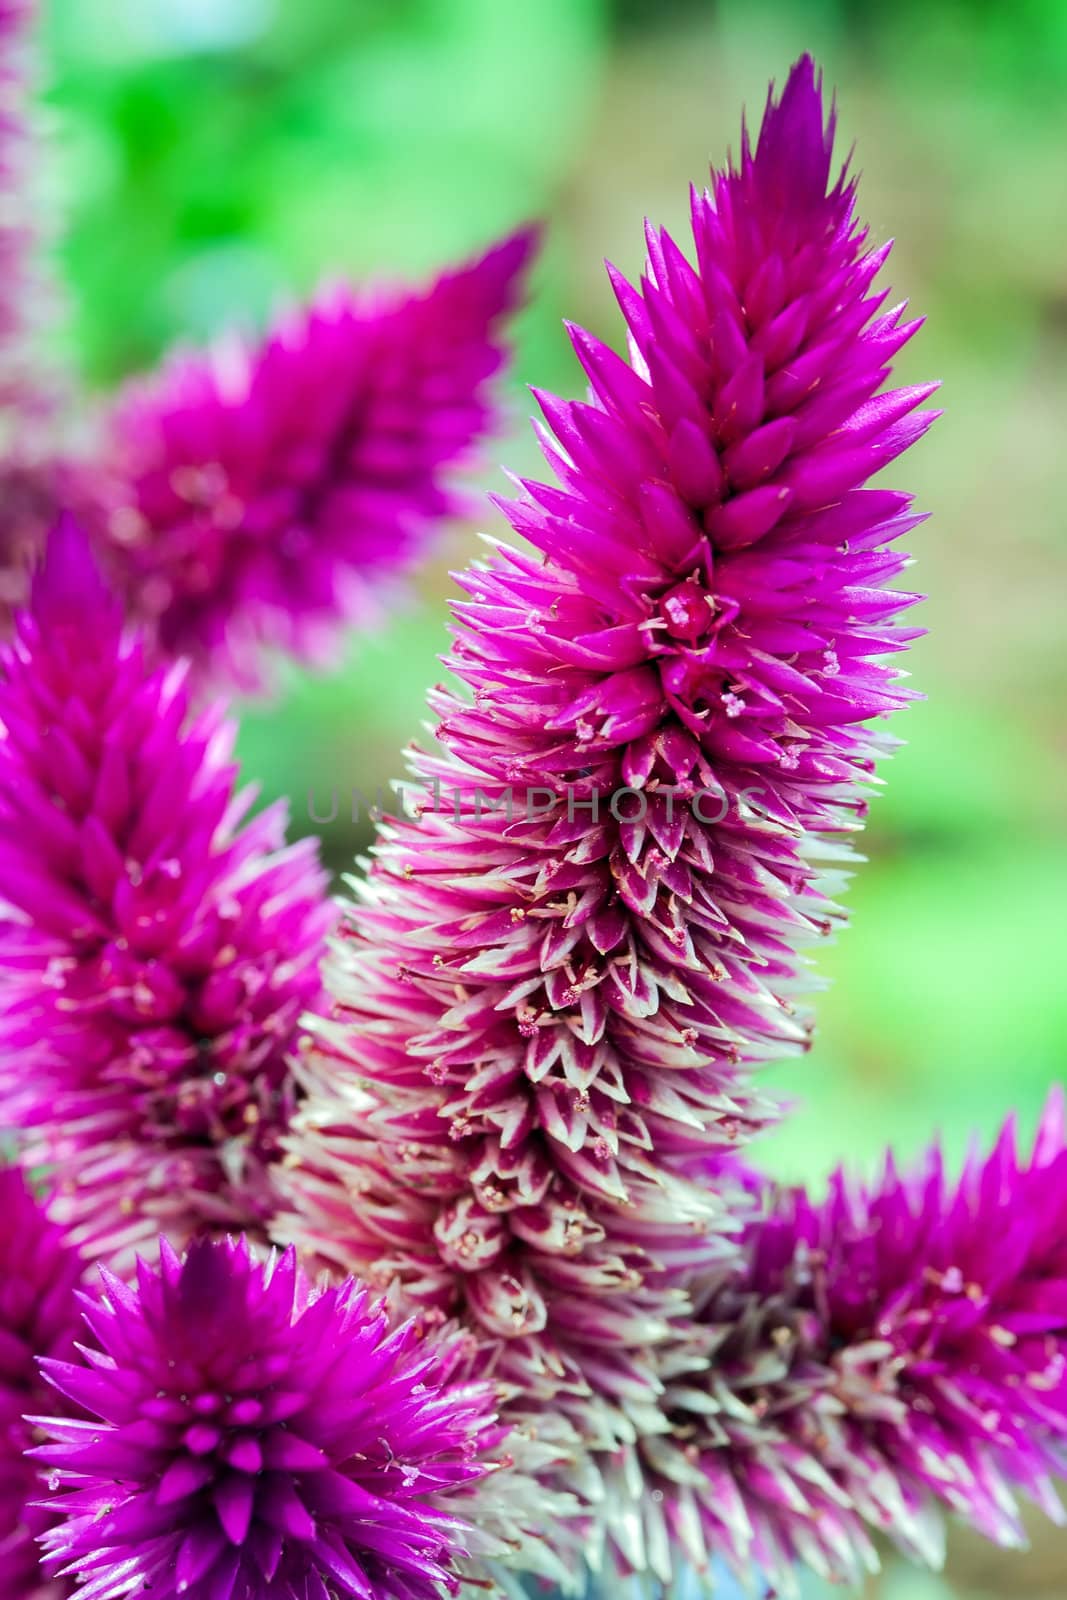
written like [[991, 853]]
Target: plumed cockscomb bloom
[[39, 1276], [155, 954], [255, 498], [248, 1437], [882, 1355], [547, 1018]]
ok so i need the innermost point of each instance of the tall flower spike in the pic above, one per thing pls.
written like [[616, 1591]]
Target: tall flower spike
[[881, 1356], [255, 498], [248, 1437], [546, 1022], [39, 1275], [156, 954]]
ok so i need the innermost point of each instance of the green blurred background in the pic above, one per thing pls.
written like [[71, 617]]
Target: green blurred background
[[210, 157]]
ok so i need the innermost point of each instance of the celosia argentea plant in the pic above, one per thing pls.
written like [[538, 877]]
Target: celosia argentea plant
[[452, 1266]]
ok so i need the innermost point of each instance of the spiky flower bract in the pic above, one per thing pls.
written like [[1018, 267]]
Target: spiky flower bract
[[156, 953], [879, 1357], [39, 1276], [256, 498], [546, 1021], [248, 1437]]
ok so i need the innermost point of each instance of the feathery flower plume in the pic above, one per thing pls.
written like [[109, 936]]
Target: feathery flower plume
[[249, 1437], [39, 1275], [255, 498], [880, 1357], [156, 955], [546, 1022]]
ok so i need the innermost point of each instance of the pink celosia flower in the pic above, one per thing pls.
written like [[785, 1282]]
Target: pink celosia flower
[[546, 1023], [39, 1274], [156, 955], [877, 1358], [255, 498], [248, 1437]]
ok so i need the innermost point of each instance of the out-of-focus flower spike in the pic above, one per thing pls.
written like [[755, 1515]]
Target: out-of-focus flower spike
[[155, 955], [254, 499]]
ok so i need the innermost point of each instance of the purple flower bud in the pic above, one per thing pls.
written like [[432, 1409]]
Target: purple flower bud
[[250, 1436]]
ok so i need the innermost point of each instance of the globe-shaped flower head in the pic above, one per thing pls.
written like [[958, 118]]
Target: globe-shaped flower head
[[255, 1439]]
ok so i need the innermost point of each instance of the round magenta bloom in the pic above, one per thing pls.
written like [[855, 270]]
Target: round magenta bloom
[[251, 1437], [39, 1275], [157, 955]]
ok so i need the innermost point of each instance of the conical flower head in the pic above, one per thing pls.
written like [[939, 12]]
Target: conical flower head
[[157, 954], [255, 498], [39, 1276], [565, 968], [249, 1437], [881, 1356]]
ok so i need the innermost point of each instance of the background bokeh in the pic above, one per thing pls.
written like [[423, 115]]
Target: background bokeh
[[210, 157]]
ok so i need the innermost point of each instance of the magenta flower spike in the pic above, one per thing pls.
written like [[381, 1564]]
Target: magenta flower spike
[[157, 954], [881, 1357], [255, 499], [547, 1022], [39, 1276], [247, 1437]]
